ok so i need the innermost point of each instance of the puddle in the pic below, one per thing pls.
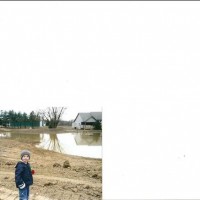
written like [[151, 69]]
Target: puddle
[[78, 144], [73, 143], [5, 135]]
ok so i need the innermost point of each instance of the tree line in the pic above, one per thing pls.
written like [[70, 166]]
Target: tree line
[[19, 120], [50, 116]]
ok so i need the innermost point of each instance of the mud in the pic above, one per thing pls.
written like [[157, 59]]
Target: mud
[[80, 180]]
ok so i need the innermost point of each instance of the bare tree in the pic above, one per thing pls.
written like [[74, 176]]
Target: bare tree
[[52, 115]]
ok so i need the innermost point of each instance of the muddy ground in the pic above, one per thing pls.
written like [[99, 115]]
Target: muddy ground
[[82, 180]]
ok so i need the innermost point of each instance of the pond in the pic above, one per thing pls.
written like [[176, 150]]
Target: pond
[[78, 144]]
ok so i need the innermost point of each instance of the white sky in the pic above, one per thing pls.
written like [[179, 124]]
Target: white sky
[[136, 61], [53, 54]]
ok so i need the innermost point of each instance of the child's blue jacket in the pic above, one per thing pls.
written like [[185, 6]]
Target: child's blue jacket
[[23, 174]]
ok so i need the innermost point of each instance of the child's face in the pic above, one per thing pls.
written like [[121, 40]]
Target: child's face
[[25, 158]]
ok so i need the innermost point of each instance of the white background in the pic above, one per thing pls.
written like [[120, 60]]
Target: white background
[[138, 62]]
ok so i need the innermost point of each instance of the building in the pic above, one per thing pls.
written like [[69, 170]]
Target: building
[[87, 120]]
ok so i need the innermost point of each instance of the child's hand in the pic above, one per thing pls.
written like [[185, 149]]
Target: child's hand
[[22, 186], [33, 171]]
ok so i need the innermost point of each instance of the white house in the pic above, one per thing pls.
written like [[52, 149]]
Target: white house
[[86, 120]]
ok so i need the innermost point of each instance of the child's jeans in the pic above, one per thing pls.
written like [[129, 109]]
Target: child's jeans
[[24, 193]]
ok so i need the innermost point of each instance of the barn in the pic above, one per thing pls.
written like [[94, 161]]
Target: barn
[[87, 120]]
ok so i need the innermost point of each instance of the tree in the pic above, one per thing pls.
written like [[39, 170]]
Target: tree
[[52, 115], [5, 119], [34, 118], [25, 119], [97, 125], [19, 119]]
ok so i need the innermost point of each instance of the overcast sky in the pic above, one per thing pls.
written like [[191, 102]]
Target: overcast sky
[[138, 62], [54, 54]]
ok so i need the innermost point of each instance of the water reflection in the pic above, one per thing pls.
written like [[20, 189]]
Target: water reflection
[[5, 135], [72, 143], [84, 139], [50, 142], [79, 144], [23, 137]]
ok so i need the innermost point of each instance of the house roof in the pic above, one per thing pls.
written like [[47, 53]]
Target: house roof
[[97, 115], [86, 116]]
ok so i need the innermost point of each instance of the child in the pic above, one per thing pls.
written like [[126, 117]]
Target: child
[[23, 175]]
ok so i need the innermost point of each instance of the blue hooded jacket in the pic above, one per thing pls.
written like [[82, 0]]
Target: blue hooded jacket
[[23, 174]]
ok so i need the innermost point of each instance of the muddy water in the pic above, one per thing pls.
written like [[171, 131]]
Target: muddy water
[[79, 144], [73, 144]]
